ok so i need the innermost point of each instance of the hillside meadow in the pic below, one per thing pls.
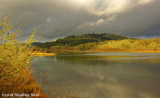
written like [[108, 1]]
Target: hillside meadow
[[126, 44]]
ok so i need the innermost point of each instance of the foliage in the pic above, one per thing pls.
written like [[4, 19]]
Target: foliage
[[73, 41], [139, 45], [127, 44], [87, 46], [15, 61], [103, 42], [15, 58]]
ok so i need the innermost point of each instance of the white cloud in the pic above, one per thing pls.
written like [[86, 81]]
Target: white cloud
[[111, 18], [111, 8], [108, 7], [97, 23], [145, 1]]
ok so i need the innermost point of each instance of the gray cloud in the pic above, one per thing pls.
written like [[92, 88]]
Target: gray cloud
[[59, 18]]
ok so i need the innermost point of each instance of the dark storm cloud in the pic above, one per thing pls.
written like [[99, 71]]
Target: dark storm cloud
[[58, 18]]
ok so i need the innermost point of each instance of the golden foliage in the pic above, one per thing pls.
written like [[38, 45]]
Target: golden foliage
[[129, 44], [15, 57], [126, 44]]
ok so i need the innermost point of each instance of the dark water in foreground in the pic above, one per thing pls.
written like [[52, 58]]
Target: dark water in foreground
[[103, 74]]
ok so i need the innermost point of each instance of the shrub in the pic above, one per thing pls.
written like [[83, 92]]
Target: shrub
[[15, 57]]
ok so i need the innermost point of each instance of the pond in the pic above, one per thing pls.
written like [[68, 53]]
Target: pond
[[101, 74]]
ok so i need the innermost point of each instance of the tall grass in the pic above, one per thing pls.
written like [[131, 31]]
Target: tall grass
[[15, 58]]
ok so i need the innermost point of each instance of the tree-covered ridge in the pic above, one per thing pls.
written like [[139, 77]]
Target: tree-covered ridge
[[73, 40]]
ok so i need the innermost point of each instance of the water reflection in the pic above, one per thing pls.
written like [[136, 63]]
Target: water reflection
[[100, 75]]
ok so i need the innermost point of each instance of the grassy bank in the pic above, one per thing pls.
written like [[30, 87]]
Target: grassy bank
[[42, 54], [105, 50], [127, 45]]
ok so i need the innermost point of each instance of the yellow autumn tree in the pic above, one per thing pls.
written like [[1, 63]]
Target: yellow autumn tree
[[15, 58]]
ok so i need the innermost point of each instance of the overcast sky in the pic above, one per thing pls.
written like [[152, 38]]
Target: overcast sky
[[59, 18]]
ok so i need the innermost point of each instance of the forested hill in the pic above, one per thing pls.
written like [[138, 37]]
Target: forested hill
[[82, 39]]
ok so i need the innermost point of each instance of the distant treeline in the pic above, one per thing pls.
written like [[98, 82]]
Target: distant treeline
[[102, 42], [72, 41]]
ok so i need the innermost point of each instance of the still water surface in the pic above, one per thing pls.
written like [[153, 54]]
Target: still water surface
[[102, 74]]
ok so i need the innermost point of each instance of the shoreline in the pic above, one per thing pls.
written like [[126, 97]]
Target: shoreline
[[109, 50], [145, 51], [42, 54]]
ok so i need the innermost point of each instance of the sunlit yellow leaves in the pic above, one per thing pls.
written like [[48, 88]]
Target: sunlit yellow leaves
[[15, 54]]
